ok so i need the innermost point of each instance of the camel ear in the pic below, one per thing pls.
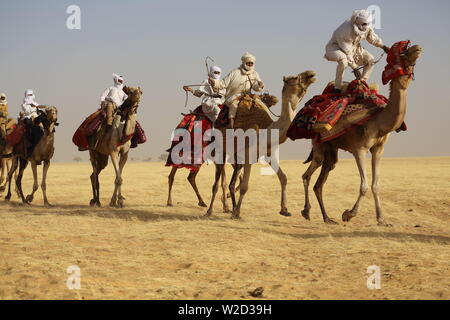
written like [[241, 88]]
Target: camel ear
[[140, 90], [284, 79]]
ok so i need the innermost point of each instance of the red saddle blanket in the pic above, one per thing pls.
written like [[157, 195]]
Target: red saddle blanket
[[17, 133], [330, 115], [195, 123], [91, 125]]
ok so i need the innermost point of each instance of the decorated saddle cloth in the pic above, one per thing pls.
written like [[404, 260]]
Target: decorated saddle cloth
[[15, 132], [330, 115], [196, 124], [93, 124], [251, 113]]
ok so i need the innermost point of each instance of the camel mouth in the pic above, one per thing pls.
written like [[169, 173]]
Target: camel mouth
[[311, 77]]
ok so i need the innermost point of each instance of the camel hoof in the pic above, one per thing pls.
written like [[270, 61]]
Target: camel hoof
[[120, 203], [331, 222], [227, 210], [305, 214], [207, 215], [384, 224], [348, 215], [235, 217], [95, 203], [48, 205], [202, 204], [29, 198], [285, 214], [169, 204]]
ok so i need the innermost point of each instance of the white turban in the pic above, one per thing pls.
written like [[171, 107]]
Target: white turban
[[29, 98], [360, 17], [4, 101], [248, 57], [116, 81], [212, 73]]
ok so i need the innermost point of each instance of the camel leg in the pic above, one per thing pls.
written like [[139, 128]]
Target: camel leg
[[306, 181], [172, 174], [226, 209], [122, 162], [2, 172], [30, 197], [242, 191], [44, 182], [360, 157], [237, 168], [12, 170], [318, 190], [117, 181], [22, 166], [95, 181], [215, 188], [283, 183], [191, 178], [377, 154]]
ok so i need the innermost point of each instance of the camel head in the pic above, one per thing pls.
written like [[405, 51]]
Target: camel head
[[295, 87], [52, 114], [401, 62], [134, 98]]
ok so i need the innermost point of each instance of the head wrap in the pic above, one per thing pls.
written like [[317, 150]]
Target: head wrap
[[248, 57], [214, 76], [29, 97], [4, 101], [360, 17], [117, 84]]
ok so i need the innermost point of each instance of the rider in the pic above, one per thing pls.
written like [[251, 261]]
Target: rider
[[345, 46], [112, 98], [3, 118], [212, 98], [239, 82], [31, 119]]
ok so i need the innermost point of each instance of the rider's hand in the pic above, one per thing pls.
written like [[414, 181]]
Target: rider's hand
[[357, 74], [211, 81], [187, 89], [386, 49]]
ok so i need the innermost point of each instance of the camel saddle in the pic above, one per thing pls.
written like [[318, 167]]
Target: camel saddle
[[251, 113]]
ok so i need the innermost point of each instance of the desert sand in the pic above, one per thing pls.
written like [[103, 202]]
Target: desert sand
[[149, 251]]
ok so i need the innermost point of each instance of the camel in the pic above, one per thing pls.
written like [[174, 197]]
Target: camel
[[107, 144], [294, 89], [372, 136], [43, 152]]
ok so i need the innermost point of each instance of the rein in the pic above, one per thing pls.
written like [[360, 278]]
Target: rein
[[367, 64]]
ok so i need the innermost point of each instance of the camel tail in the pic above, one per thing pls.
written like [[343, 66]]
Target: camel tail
[[310, 157]]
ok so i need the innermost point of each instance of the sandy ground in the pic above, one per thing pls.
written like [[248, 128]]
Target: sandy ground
[[150, 251]]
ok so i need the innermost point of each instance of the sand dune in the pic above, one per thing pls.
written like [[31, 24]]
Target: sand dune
[[150, 251]]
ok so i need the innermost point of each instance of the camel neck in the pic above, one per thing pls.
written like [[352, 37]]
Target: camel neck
[[391, 118]]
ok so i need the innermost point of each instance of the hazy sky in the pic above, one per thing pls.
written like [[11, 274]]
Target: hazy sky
[[161, 45]]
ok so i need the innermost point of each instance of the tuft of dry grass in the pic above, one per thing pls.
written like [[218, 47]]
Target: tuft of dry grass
[[150, 251]]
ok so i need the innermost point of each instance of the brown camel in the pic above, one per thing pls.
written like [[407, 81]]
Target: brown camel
[[294, 89], [372, 136], [106, 144], [42, 153]]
